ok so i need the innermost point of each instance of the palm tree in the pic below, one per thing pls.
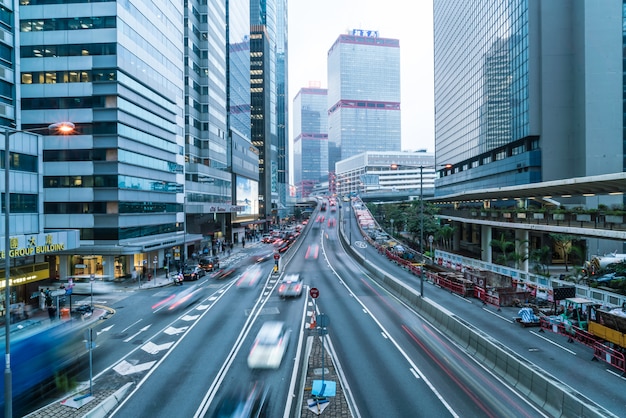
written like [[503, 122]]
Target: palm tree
[[504, 246], [541, 257]]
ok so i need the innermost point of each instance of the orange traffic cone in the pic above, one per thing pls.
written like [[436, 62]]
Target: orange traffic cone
[[313, 324]]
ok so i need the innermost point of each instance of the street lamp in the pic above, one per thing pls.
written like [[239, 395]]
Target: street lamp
[[421, 167], [63, 128]]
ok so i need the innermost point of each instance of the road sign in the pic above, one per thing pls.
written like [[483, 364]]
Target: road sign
[[92, 277], [276, 256], [314, 292]]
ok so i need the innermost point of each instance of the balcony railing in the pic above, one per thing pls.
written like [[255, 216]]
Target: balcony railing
[[595, 220]]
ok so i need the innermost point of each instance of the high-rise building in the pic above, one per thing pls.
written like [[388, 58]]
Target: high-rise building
[[268, 85], [310, 139], [534, 92], [243, 156], [116, 70], [209, 207], [363, 94]]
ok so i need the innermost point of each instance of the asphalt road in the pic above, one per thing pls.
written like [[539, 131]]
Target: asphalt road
[[390, 361]]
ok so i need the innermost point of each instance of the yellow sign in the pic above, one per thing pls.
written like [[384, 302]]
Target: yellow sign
[[31, 248]]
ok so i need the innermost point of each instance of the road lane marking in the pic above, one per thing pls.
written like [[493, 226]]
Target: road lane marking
[[499, 316], [552, 342], [416, 374]]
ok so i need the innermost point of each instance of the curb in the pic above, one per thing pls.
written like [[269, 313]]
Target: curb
[[106, 406]]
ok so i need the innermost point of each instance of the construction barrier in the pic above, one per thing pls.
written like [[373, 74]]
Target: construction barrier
[[601, 351], [480, 293], [610, 356]]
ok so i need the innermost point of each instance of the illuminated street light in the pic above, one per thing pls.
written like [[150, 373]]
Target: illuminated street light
[[63, 128]]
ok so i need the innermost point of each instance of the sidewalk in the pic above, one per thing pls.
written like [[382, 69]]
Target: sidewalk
[[105, 394]]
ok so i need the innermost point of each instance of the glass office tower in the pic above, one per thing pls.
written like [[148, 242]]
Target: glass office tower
[[268, 75], [116, 70], [364, 94], [527, 91], [310, 131]]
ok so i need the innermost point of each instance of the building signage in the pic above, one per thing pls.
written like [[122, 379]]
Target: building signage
[[30, 245], [225, 209], [365, 33]]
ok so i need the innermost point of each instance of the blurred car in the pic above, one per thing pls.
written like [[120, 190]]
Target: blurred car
[[209, 263], [179, 300], [225, 273], [244, 402], [193, 272], [284, 246], [312, 252], [261, 258], [250, 277], [269, 346], [290, 286]]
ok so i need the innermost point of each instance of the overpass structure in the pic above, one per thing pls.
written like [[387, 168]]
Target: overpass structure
[[470, 208]]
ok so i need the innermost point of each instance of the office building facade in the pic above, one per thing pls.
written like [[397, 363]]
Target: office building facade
[[533, 93], [363, 94], [386, 172], [116, 71], [310, 139], [243, 156], [268, 72]]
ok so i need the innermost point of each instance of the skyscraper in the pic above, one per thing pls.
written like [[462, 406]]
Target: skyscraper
[[310, 130], [268, 72], [533, 92], [243, 156], [116, 71], [363, 94]]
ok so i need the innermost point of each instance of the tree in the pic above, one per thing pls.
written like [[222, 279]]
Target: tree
[[541, 257], [505, 249], [563, 244], [445, 234]]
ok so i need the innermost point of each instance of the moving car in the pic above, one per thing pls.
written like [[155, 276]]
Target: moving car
[[250, 277], [244, 402], [193, 272], [179, 300], [210, 263], [269, 346], [290, 286]]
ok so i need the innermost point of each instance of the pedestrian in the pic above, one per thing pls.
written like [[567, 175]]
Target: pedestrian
[[42, 300], [243, 243]]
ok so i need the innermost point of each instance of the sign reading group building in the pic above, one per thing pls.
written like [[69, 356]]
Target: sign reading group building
[[36, 244]]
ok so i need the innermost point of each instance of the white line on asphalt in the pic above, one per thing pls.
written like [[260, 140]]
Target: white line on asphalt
[[499, 316], [416, 374], [552, 342], [616, 374], [131, 325], [462, 298]]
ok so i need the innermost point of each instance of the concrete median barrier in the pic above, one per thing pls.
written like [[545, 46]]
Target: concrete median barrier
[[554, 397]]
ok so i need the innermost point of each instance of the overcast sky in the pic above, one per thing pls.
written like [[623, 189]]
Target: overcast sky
[[315, 25]]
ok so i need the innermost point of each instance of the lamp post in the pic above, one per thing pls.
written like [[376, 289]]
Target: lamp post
[[422, 229], [64, 128], [421, 167]]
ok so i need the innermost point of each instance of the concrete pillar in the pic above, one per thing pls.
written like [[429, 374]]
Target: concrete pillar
[[485, 239], [456, 237], [64, 267], [108, 267], [522, 246]]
